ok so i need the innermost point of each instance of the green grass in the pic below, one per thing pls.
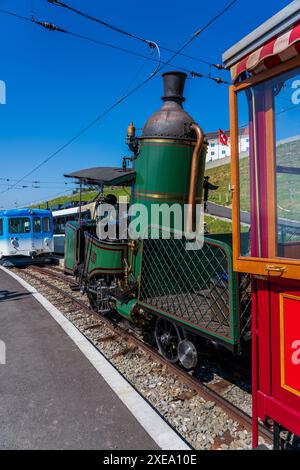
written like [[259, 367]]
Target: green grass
[[288, 185], [215, 225], [220, 176]]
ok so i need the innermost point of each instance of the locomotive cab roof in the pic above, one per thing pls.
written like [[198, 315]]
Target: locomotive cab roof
[[109, 176]]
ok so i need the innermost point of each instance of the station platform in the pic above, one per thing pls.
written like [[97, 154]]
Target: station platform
[[52, 396]]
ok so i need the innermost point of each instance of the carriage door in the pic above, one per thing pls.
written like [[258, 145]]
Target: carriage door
[[285, 294], [285, 348], [266, 183]]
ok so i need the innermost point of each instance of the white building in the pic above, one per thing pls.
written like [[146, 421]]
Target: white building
[[216, 150]]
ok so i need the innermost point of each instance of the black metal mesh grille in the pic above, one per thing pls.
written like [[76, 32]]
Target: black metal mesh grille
[[245, 303], [288, 233], [190, 285]]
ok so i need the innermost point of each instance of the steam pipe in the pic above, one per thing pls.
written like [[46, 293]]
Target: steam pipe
[[194, 176]]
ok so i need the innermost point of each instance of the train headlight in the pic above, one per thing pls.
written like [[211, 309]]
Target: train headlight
[[14, 241], [47, 242]]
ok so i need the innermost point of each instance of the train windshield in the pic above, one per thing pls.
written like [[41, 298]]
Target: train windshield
[[269, 114], [19, 225]]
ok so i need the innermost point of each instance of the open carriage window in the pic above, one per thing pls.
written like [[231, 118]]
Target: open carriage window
[[287, 158], [244, 174], [269, 117], [1, 227]]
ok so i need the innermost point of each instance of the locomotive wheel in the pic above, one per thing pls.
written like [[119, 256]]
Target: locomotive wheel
[[168, 335]]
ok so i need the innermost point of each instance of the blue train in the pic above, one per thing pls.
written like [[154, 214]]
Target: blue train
[[25, 234]]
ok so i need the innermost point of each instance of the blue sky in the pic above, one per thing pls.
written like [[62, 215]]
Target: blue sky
[[56, 84]]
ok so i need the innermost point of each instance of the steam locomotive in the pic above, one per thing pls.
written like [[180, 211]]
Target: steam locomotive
[[189, 294]]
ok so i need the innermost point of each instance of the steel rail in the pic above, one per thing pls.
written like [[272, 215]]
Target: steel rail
[[54, 275], [244, 419]]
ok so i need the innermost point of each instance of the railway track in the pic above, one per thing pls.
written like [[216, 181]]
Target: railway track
[[55, 273], [209, 393]]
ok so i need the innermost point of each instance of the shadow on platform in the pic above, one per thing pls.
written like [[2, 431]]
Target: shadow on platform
[[6, 295]]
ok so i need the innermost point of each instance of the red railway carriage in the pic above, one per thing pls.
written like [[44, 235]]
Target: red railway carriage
[[265, 98]]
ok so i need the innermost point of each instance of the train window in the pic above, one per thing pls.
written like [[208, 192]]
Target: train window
[[46, 224], [37, 224], [19, 225], [244, 175], [269, 218], [287, 168], [1, 227]]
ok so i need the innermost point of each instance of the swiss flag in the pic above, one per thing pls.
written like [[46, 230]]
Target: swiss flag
[[223, 138]]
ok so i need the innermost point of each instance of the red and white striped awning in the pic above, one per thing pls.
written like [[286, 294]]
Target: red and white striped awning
[[278, 50]]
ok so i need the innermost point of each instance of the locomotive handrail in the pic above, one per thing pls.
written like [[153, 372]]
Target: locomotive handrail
[[194, 176]]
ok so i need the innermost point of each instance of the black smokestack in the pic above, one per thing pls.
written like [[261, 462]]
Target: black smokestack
[[173, 86]]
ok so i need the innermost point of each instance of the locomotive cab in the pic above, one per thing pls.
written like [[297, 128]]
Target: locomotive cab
[[99, 260]]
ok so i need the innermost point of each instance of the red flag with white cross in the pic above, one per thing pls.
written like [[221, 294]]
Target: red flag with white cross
[[223, 138]]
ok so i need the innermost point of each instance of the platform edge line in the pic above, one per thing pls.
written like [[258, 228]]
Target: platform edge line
[[158, 429]]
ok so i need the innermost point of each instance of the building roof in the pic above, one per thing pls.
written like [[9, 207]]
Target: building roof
[[243, 132], [215, 135]]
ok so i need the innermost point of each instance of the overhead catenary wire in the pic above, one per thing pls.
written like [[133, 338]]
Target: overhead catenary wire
[[8, 179], [119, 30], [91, 124], [127, 33], [201, 30], [192, 73], [40, 201], [121, 99], [176, 53], [52, 27], [37, 187]]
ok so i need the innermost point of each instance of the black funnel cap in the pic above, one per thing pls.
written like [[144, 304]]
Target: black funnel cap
[[173, 86]]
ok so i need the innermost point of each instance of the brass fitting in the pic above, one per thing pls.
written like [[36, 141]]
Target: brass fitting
[[131, 130]]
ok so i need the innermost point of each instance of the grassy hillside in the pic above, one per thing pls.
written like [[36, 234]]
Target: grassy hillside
[[288, 187], [86, 196], [214, 225], [220, 176]]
